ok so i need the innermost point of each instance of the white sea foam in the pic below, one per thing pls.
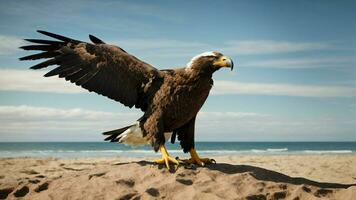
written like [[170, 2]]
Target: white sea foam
[[327, 151], [277, 150], [176, 152]]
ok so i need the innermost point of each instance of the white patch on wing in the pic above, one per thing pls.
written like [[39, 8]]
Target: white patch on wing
[[134, 136], [208, 53]]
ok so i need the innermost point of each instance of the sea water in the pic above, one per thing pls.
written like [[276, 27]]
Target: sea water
[[105, 149]]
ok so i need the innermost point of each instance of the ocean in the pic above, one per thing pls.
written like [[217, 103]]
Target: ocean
[[104, 149]]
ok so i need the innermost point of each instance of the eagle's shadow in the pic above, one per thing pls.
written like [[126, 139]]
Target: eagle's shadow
[[261, 174]]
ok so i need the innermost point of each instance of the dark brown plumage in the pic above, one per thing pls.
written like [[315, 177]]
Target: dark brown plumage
[[170, 99]]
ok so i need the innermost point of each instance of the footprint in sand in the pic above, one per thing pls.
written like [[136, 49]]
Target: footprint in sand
[[42, 187], [256, 197], [34, 181], [153, 192], [306, 189], [184, 181], [279, 195], [5, 192], [128, 182], [283, 186], [22, 192], [130, 196], [322, 192]]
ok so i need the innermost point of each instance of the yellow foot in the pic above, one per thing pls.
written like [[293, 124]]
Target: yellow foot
[[195, 159], [166, 159]]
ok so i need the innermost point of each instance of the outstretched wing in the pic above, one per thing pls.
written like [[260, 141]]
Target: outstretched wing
[[105, 69]]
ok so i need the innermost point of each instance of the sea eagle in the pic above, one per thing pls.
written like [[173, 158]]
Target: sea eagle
[[170, 99]]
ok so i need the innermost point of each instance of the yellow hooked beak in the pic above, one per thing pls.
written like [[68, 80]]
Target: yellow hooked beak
[[224, 61]]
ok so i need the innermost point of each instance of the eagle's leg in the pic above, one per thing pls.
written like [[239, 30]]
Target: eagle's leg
[[166, 159], [195, 159]]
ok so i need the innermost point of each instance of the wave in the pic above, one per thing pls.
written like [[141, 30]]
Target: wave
[[327, 151], [277, 150], [269, 150], [145, 153]]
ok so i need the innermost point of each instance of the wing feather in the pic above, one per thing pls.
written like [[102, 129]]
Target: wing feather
[[45, 64], [50, 42], [105, 69], [96, 40], [47, 54], [42, 47]]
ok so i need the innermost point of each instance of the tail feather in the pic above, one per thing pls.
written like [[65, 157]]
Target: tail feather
[[130, 135], [114, 134]]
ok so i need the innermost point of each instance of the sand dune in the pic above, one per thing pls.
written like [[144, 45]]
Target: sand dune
[[236, 177]]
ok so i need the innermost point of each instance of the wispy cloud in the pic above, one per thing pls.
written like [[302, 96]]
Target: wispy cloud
[[33, 81], [80, 14], [231, 87], [249, 47], [297, 63], [275, 128], [162, 49], [32, 113], [46, 123], [10, 44], [28, 119], [181, 48], [25, 113], [29, 123]]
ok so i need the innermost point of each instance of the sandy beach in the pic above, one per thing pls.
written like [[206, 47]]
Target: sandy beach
[[233, 177]]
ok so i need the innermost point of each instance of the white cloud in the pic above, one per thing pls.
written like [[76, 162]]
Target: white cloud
[[34, 115], [33, 81], [10, 44], [158, 50], [25, 112], [32, 119], [17, 121], [314, 62], [249, 47], [231, 87], [28, 123], [160, 47]]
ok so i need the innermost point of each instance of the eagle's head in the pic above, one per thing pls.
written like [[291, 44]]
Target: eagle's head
[[210, 62]]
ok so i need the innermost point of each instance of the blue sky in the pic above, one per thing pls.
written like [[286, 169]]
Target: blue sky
[[294, 80]]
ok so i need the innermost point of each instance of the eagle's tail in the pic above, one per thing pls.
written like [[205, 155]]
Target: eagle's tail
[[132, 135], [114, 134]]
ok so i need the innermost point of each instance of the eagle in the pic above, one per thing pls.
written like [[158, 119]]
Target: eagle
[[170, 99]]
